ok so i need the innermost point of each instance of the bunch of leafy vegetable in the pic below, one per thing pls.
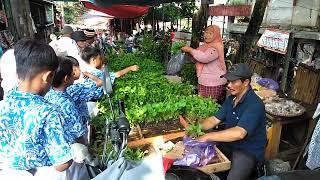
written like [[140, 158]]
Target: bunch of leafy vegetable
[[134, 154], [194, 130], [176, 47]]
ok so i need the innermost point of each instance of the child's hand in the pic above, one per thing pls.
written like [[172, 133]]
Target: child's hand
[[86, 75], [134, 68]]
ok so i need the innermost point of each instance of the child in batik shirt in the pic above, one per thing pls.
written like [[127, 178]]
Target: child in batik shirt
[[31, 130], [94, 58], [64, 77]]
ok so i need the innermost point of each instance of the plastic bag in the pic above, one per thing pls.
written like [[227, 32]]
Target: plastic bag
[[268, 83], [175, 64], [196, 153]]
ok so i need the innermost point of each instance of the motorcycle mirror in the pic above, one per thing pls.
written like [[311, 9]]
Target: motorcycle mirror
[[107, 85]]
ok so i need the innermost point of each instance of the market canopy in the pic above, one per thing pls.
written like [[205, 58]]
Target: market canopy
[[107, 3], [94, 14], [118, 11]]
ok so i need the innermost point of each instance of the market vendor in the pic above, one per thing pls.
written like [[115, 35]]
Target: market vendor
[[210, 64], [243, 113]]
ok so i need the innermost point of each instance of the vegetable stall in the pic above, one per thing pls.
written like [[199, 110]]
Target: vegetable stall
[[152, 103]]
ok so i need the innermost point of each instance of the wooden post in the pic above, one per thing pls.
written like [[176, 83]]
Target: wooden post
[[163, 23], [153, 24], [287, 63]]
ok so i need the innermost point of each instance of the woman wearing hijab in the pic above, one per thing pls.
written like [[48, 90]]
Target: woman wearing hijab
[[210, 64]]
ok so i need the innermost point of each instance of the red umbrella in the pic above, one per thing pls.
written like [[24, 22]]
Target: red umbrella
[[119, 11]]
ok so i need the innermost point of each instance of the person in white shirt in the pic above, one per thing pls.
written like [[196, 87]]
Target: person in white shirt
[[8, 71], [53, 43], [65, 45], [81, 42]]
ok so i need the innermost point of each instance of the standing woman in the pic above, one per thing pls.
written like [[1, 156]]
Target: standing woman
[[210, 64]]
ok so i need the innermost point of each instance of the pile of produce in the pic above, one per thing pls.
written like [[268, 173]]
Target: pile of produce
[[150, 97]]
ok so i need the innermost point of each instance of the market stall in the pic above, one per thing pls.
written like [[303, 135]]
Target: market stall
[[291, 104]]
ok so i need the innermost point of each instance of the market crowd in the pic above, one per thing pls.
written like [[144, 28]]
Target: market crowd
[[44, 112]]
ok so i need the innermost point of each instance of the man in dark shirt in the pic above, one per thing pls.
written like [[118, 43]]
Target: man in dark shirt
[[243, 115]]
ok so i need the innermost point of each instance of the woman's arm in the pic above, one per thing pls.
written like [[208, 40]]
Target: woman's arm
[[209, 55], [220, 50]]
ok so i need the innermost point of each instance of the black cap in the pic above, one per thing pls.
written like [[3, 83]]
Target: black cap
[[238, 71], [79, 36]]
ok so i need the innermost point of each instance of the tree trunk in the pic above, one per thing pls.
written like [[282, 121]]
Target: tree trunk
[[153, 22], [199, 22], [21, 19], [251, 33], [188, 22]]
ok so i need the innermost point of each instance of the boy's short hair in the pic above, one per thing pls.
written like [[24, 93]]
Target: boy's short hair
[[73, 60], [64, 69], [33, 57], [90, 52]]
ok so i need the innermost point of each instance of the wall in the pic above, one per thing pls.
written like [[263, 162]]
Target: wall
[[304, 13]]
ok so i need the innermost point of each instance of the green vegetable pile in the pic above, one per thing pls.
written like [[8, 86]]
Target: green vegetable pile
[[176, 47], [194, 130], [134, 154], [150, 97]]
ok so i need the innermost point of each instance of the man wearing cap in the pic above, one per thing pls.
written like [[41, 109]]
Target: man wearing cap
[[244, 138], [65, 45], [92, 37], [81, 40]]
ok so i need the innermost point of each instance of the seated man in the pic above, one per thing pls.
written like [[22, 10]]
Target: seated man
[[243, 113], [31, 129]]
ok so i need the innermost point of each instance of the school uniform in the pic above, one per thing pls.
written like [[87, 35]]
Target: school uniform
[[31, 135], [85, 91], [72, 123]]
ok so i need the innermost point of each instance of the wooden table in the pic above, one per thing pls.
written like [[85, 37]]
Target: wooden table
[[274, 133]]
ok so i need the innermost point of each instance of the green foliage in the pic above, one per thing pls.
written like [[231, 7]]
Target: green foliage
[[73, 12], [176, 47], [155, 51], [188, 74], [195, 130], [150, 97], [134, 154], [187, 9]]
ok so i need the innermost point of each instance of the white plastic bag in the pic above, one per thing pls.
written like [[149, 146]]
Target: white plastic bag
[[175, 64]]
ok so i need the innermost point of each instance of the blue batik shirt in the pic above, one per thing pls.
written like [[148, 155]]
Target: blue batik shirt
[[86, 91], [31, 132], [72, 123]]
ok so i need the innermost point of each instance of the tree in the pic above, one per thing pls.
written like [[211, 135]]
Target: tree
[[246, 42], [199, 22], [73, 12], [187, 10]]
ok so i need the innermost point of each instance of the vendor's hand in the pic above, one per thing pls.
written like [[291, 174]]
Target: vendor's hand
[[134, 68], [186, 49], [183, 122], [203, 138]]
